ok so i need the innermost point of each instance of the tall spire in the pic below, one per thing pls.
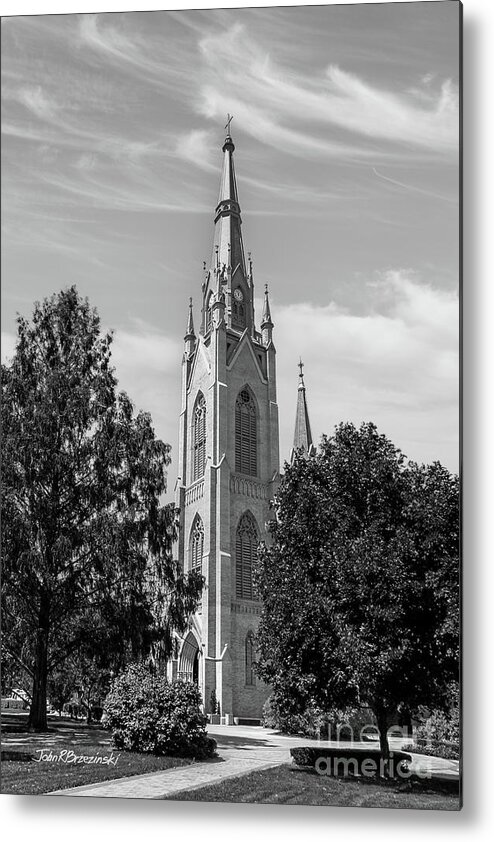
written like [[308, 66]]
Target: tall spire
[[227, 270], [227, 235], [302, 440]]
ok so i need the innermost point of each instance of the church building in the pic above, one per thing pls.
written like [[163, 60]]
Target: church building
[[228, 465]]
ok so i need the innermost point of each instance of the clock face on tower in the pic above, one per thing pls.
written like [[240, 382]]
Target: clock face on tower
[[238, 294]]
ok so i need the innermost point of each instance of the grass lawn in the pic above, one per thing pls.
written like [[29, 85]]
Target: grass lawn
[[289, 785], [30, 777]]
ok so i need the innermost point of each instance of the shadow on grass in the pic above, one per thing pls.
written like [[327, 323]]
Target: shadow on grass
[[230, 741]]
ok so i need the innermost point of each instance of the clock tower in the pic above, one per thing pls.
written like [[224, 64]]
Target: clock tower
[[228, 465]]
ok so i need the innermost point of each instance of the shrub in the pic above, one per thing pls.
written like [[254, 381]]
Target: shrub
[[343, 761], [146, 713], [447, 751], [345, 724], [439, 735], [308, 723]]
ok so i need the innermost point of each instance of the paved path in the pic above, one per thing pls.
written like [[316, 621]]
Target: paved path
[[242, 750]]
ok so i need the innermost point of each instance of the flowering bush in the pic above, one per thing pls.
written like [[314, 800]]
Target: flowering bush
[[146, 713]]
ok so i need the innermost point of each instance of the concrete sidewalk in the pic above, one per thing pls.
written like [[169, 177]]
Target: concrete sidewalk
[[169, 782], [242, 749]]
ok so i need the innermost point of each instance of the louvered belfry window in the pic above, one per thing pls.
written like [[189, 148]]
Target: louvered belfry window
[[245, 553], [199, 438], [245, 434], [197, 545]]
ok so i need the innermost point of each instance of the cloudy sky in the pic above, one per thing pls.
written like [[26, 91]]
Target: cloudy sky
[[346, 133]]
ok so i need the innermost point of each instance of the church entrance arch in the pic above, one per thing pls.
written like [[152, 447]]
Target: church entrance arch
[[188, 663]]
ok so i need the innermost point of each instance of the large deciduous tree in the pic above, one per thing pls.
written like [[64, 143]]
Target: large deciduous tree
[[360, 584], [86, 543]]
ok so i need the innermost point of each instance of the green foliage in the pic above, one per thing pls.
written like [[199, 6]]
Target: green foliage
[[309, 723], [360, 584], [351, 723], [213, 703], [440, 734], [344, 724], [87, 561], [146, 713]]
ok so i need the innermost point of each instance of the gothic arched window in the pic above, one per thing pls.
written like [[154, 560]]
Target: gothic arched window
[[196, 546], [245, 434], [245, 553], [250, 676], [199, 438]]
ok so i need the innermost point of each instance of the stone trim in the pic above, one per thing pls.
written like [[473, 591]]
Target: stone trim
[[242, 608], [249, 488], [194, 492]]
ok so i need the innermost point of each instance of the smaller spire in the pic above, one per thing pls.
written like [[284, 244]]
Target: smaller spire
[[266, 313], [302, 440], [266, 321], [190, 322], [190, 336]]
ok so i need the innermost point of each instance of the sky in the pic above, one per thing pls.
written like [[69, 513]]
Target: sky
[[346, 133]]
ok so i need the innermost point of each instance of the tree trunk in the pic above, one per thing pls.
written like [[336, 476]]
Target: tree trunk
[[382, 724], [37, 714], [88, 711]]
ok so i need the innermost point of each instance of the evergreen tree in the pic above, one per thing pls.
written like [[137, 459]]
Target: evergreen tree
[[86, 542]]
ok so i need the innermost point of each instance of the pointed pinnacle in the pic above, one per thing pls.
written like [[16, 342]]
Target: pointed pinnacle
[[266, 313], [190, 322]]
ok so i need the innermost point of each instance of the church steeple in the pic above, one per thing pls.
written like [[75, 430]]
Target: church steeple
[[229, 461], [228, 270], [266, 322], [302, 439], [190, 336]]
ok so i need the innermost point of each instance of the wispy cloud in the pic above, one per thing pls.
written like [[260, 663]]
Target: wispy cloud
[[415, 189], [396, 364], [292, 110], [200, 148]]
